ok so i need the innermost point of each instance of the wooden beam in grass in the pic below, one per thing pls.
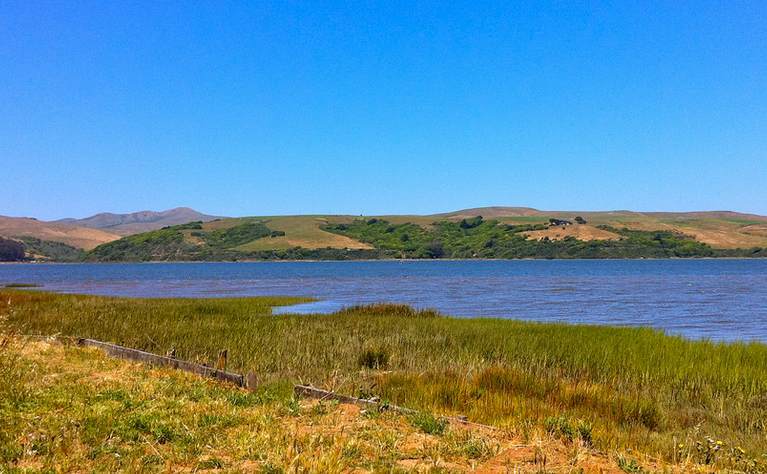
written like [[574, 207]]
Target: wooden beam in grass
[[147, 357]]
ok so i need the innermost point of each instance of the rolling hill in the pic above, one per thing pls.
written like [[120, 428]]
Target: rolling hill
[[505, 232], [69, 234], [65, 239], [502, 232], [137, 222], [720, 229]]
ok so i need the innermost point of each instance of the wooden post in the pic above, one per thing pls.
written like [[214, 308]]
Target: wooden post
[[250, 381], [221, 364]]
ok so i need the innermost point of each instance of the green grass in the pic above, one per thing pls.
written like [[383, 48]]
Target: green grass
[[622, 387], [71, 409]]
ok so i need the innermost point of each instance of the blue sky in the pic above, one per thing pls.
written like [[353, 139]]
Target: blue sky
[[254, 108]]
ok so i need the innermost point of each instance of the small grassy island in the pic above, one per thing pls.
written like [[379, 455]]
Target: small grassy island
[[635, 398]]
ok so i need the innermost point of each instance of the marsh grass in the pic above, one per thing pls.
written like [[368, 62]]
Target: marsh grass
[[83, 412], [12, 388], [634, 388]]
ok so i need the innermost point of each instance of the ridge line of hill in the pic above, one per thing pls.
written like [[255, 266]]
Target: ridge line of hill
[[323, 236]]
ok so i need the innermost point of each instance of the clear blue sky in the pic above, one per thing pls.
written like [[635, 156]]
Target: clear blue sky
[[253, 108]]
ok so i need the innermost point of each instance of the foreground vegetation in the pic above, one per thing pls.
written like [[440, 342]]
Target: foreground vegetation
[[616, 389], [66, 409]]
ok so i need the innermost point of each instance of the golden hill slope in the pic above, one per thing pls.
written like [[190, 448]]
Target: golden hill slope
[[718, 229], [76, 236], [303, 231]]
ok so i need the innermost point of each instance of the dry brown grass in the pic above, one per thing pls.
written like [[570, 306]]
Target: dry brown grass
[[302, 231], [580, 232], [80, 237]]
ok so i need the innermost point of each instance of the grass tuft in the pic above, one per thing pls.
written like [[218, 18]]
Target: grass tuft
[[374, 358], [428, 423], [388, 310]]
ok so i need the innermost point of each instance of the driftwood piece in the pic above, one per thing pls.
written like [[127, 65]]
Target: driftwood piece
[[147, 357], [312, 392]]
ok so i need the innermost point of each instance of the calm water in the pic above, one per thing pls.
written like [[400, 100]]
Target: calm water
[[717, 299]]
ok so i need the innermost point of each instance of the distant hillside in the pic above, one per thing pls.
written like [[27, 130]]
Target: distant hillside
[[47, 250], [69, 234], [720, 229], [137, 222], [235, 239], [503, 233], [506, 232]]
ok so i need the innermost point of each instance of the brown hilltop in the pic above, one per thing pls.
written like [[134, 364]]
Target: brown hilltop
[[141, 221], [76, 236]]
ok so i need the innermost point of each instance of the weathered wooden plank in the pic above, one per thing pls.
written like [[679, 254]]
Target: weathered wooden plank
[[147, 357]]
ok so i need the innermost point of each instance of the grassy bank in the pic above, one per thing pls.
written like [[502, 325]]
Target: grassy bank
[[75, 410], [613, 388]]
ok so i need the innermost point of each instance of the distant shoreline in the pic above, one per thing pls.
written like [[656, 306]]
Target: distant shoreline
[[153, 262]]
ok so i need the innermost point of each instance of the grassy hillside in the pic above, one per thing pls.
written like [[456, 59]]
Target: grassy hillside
[[230, 239], [25, 249], [613, 389], [37, 249], [720, 229], [313, 236], [72, 235], [340, 237], [137, 222], [476, 237], [302, 231]]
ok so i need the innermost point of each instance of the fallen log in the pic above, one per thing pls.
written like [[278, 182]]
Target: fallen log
[[374, 403], [313, 392], [163, 361]]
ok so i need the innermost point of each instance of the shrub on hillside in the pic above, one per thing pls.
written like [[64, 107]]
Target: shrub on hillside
[[11, 250]]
